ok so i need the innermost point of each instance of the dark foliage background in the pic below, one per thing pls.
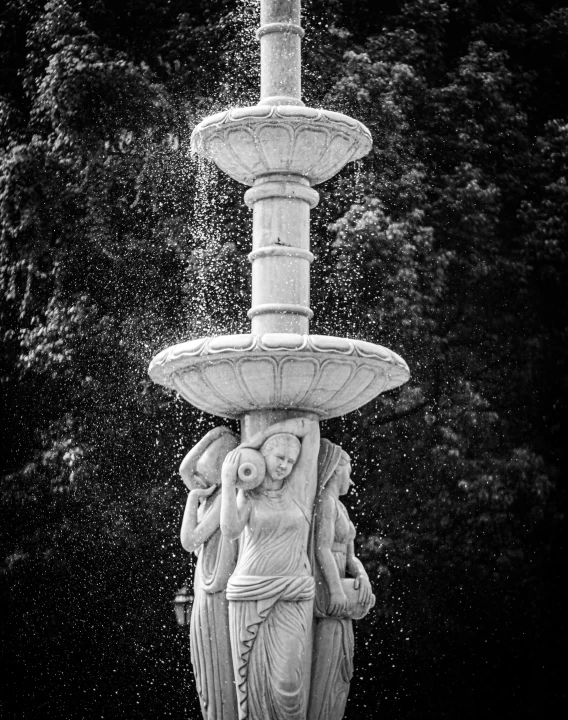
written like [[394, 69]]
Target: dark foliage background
[[448, 244]]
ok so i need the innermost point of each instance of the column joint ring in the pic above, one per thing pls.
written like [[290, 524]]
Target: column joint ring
[[288, 190], [280, 251], [280, 309], [280, 27]]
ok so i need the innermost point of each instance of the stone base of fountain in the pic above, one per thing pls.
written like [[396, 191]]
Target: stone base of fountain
[[232, 375]]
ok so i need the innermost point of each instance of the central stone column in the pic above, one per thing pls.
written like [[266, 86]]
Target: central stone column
[[281, 203], [281, 254], [280, 149], [280, 35]]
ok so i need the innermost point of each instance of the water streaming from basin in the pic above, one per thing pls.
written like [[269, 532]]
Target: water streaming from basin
[[296, 572]]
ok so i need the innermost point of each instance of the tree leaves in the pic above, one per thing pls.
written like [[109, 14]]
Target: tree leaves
[[447, 245]]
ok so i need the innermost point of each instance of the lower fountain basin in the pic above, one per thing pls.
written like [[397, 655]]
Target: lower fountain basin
[[231, 375]]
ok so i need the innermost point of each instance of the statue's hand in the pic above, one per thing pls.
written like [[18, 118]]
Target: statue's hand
[[203, 492], [337, 603], [365, 592], [230, 468]]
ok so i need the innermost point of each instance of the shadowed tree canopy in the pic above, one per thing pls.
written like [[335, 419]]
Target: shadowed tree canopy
[[447, 244]]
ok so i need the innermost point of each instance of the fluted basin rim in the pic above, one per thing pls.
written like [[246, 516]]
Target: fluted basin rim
[[294, 112], [236, 141], [230, 375]]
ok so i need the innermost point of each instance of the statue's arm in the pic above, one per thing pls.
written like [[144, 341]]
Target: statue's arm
[[301, 427], [355, 568], [188, 464], [235, 511], [325, 533], [310, 434], [194, 533], [304, 472]]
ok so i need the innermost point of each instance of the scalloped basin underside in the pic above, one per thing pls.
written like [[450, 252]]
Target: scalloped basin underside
[[251, 142], [235, 374]]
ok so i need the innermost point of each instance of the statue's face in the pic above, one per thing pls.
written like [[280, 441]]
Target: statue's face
[[343, 475], [280, 461]]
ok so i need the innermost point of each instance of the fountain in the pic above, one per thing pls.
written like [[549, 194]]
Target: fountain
[[280, 382]]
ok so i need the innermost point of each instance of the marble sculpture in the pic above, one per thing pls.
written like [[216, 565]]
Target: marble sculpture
[[277, 583]]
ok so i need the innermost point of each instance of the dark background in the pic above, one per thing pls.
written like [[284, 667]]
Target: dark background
[[448, 244]]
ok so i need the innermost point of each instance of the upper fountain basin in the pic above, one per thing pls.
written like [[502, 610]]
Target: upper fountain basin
[[251, 142], [231, 375]]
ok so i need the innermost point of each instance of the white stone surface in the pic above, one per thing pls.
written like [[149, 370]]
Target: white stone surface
[[343, 589], [200, 533], [235, 374], [279, 381], [272, 589], [281, 257], [280, 36], [252, 142]]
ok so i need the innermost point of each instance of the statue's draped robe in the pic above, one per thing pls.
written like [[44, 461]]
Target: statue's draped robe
[[271, 606], [332, 662], [209, 630]]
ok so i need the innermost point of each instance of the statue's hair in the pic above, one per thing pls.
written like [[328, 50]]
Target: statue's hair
[[329, 458], [223, 443], [217, 442], [280, 439]]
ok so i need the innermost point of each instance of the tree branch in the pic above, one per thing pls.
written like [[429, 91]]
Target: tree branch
[[403, 413]]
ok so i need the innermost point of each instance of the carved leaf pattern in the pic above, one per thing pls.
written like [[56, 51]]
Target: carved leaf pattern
[[231, 375], [250, 142]]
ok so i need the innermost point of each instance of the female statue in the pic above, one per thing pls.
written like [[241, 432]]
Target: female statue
[[271, 591], [338, 600], [209, 629]]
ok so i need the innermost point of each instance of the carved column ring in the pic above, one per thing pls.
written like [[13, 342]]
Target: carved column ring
[[282, 189], [284, 250], [280, 27], [280, 309]]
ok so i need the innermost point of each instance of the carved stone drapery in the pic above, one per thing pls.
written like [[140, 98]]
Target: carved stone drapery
[[209, 628], [272, 590], [339, 599], [262, 615]]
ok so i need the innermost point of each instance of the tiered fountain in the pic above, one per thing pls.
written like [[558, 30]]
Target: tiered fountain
[[281, 149]]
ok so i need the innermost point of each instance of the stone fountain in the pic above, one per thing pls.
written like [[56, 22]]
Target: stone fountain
[[278, 373]]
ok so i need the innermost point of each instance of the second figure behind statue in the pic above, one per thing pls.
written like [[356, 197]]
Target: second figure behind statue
[[209, 630], [338, 599]]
